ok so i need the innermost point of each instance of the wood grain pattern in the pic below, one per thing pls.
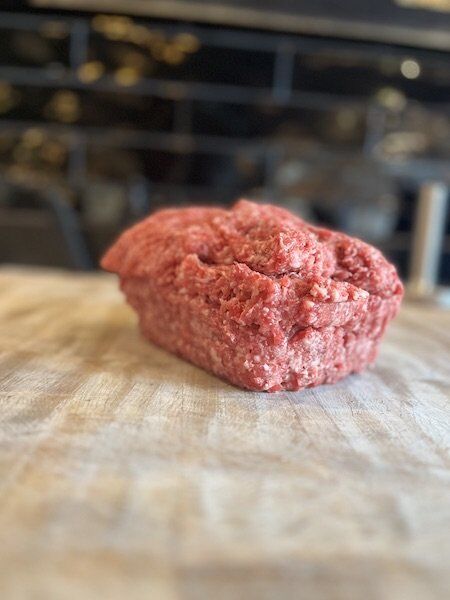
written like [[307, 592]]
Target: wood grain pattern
[[127, 473]]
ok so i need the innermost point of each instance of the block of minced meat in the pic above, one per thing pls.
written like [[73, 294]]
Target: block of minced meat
[[256, 295]]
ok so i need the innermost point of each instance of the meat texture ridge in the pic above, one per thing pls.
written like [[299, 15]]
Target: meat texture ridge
[[255, 294]]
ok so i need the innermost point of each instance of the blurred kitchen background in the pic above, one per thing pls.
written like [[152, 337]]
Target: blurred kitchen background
[[339, 111]]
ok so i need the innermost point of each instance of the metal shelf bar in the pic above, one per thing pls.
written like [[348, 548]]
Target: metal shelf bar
[[243, 39]]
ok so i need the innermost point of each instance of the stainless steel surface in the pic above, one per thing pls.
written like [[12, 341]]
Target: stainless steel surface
[[428, 240]]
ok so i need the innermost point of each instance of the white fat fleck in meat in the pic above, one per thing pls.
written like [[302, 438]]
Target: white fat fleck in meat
[[359, 294], [335, 296], [318, 291], [215, 357]]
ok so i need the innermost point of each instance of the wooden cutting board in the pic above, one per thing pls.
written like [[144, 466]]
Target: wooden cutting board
[[128, 473]]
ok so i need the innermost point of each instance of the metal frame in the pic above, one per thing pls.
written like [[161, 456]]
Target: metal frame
[[220, 13]]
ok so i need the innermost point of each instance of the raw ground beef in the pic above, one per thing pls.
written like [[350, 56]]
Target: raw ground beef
[[256, 295]]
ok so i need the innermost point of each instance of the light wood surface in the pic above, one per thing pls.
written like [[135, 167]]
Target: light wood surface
[[126, 473]]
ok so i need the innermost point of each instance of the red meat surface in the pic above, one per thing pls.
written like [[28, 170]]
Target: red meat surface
[[256, 295]]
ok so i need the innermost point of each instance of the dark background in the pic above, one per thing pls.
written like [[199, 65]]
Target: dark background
[[340, 116]]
